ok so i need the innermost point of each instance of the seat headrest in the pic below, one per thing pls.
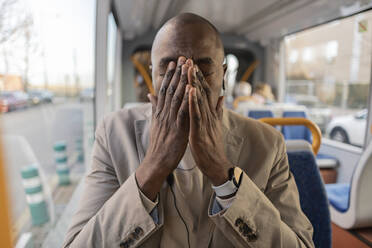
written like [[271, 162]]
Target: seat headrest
[[298, 145]]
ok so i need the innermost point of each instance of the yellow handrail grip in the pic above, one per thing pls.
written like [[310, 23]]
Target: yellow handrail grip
[[240, 99], [144, 74], [249, 70], [294, 121], [5, 224]]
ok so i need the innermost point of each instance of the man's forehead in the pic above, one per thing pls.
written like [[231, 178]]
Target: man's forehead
[[184, 45], [189, 41]]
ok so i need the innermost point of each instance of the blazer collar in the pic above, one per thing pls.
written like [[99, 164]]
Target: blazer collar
[[233, 140]]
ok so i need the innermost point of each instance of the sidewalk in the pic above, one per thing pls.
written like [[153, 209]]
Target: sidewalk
[[26, 235]]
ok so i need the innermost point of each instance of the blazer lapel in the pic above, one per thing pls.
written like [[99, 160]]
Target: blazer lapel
[[233, 142], [142, 129]]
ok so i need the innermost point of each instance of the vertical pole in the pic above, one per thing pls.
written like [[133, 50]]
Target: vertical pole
[[281, 76], [368, 131], [102, 12], [61, 160], [34, 195], [5, 226], [345, 94], [79, 148], [117, 85]]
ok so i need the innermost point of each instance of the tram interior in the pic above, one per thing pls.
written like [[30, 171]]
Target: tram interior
[[305, 63]]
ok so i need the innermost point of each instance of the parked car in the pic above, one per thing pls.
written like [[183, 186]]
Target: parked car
[[349, 129], [40, 96], [13, 100], [87, 94], [318, 112]]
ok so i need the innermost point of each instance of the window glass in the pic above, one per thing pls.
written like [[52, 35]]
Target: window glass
[[328, 70], [46, 105], [111, 42]]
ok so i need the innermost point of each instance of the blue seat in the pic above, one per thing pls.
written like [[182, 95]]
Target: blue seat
[[338, 196], [303, 133], [350, 203], [312, 194], [258, 114], [296, 132]]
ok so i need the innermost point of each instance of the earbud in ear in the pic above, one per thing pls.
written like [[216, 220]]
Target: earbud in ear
[[222, 93]]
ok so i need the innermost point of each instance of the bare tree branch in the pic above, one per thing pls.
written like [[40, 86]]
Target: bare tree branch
[[11, 22]]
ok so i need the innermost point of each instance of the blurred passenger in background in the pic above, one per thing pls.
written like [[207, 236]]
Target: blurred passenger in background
[[242, 89], [263, 94]]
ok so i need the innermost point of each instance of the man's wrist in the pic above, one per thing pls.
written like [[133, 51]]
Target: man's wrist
[[230, 187], [221, 176], [150, 178]]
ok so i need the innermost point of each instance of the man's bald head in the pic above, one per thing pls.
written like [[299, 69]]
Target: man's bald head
[[179, 22], [186, 23], [193, 37]]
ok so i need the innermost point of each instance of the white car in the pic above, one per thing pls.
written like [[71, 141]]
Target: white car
[[349, 129]]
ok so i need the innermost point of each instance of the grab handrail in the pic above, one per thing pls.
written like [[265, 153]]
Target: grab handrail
[[297, 121], [240, 99]]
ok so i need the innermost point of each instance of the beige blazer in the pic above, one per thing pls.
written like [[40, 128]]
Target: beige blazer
[[265, 213]]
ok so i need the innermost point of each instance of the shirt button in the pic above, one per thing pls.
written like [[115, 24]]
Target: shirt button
[[124, 245], [139, 231], [134, 235], [252, 237], [238, 222], [246, 230]]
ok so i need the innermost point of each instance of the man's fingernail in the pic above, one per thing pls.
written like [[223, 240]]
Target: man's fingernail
[[172, 65], [189, 62], [181, 60]]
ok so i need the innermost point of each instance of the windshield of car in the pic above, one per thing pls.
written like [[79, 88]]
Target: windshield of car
[[362, 114]]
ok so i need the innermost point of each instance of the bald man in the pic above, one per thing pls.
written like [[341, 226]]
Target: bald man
[[182, 171]]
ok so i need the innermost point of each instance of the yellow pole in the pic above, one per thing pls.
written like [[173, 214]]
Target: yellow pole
[[249, 70], [144, 74], [5, 225]]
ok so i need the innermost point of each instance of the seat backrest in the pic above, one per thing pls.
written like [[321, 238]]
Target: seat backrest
[[313, 198], [360, 192], [296, 132], [258, 114]]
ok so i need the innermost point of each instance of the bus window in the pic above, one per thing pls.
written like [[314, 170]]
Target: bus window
[[46, 110], [111, 39], [328, 70]]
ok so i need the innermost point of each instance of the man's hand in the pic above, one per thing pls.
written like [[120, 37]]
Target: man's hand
[[206, 139], [169, 129]]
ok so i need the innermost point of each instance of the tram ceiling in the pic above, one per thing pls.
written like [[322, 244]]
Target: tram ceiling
[[257, 20]]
